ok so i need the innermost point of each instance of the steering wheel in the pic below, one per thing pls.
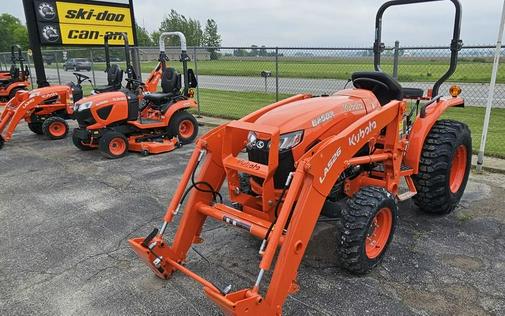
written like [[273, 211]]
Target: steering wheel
[[364, 83], [81, 78], [135, 81]]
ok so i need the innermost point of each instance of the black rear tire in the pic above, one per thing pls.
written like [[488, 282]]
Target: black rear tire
[[36, 127], [78, 142], [368, 224], [437, 193], [113, 145], [55, 127], [2, 142], [184, 126]]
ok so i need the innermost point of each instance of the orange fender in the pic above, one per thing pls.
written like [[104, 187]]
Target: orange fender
[[422, 126]]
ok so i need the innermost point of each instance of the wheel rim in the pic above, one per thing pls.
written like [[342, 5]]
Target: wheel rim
[[379, 232], [186, 129], [117, 146], [57, 129], [458, 168]]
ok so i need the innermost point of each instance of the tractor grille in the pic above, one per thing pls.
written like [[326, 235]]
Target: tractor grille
[[84, 118], [286, 165]]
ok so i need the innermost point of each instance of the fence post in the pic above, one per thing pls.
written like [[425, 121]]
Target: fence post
[[276, 74], [198, 85], [396, 55], [492, 86], [57, 67], [92, 66]]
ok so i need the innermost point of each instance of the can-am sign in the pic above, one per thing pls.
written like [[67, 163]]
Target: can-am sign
[[75, 22]]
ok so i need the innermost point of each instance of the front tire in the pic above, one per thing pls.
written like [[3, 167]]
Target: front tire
[[36, 127], [444, 167], [78, 142], [55, 128], [113, 145], [184, 126], [368, 225]]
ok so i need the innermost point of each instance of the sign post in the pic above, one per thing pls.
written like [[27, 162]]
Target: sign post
[[78, 23]]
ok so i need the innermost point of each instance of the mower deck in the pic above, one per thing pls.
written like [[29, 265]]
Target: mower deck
[[152, 147]]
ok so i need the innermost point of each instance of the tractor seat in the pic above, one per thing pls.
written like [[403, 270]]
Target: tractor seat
[[158, 97], [114, 79], [385, 88], [412, 93], [171, 86]]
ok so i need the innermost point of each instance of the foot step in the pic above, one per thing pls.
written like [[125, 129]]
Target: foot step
[[405, 196]]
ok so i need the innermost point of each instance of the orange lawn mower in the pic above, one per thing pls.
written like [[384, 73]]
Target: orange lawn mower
[[47, 109], [16, 79], [352, 155], [151, 122]]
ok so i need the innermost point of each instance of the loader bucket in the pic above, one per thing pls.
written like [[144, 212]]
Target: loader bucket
[[148, 257]]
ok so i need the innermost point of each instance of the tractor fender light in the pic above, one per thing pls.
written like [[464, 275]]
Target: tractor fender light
[[455, 91]]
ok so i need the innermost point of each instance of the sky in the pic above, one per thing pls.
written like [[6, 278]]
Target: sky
[[323, 23]]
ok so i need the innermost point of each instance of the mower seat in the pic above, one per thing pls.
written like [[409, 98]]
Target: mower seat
[[158, 97], [114, 79], [385, 88], [171, 86], [412, 93]]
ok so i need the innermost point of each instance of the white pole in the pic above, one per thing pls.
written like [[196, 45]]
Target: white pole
[[492, 85]]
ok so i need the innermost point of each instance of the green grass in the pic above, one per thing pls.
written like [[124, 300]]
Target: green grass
[[234, 105], [474, 118], [424, 70]]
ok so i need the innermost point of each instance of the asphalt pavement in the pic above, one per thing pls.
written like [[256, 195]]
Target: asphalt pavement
[[66, 216]]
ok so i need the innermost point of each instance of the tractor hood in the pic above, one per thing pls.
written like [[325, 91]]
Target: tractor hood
[[48, 90], [312, 113], [100, 99]]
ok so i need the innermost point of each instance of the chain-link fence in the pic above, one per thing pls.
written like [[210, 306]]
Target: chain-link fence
[[234, 81]]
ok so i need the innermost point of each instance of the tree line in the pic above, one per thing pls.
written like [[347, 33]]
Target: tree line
[[14, 32]]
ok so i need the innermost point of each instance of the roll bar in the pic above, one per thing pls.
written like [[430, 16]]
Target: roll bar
[[184, 55], [20, 54], [456, 43], [129, 68]]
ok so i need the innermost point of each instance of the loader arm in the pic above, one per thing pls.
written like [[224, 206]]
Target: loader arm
[[315, 174], [14, 112]]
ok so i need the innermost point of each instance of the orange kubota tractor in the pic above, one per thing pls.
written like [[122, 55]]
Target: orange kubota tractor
[[353, 155], [16, 79], [150, 123], [47, 109]]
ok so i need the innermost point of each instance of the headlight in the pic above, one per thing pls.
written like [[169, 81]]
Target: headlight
[[251, 139], [290, 140], [286, 141], [84, 106]]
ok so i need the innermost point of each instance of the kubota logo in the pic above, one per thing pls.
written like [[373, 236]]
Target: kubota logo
[[362, 133], [323, 118], [248, 164], [330, 164]]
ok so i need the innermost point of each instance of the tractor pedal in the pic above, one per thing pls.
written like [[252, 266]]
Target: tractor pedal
[[150, 237], [405, 196]]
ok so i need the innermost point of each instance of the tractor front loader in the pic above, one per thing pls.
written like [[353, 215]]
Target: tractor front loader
[[44, 109], [353, 154]]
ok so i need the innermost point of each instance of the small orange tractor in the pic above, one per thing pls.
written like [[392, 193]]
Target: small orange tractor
[[44, 109], [353, 155], [14, 80], [131, 120], [47, 109]]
